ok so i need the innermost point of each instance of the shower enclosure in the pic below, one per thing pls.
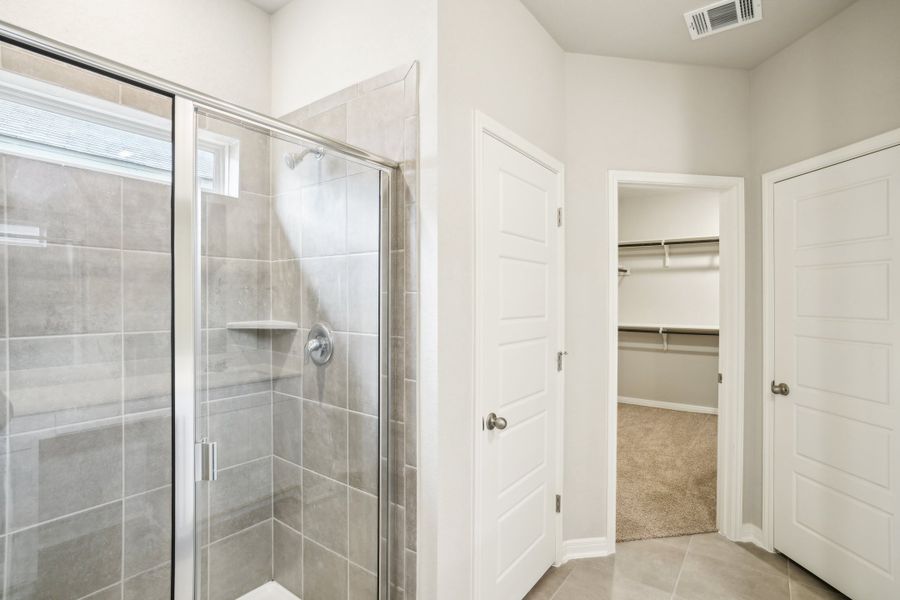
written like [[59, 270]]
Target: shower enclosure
[[194, 350]]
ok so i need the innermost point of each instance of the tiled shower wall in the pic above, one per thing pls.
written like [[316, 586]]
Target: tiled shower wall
[[296, 498], [85, 351], [381, 115]]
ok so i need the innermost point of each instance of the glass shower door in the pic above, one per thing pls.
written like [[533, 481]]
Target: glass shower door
[[289, 389], [85, 333]]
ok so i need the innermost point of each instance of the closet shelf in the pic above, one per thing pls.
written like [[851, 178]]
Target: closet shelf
[[264, 325], [678, 329], [668, 242]]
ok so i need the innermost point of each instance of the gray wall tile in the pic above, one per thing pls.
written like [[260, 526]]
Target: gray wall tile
[[53, 71], [242, 428], [288, 353], [363, 585], [325, 512], [240, 498], [147, 289], [62, 380], [285, 225], [67, 205], [148, 451], [239, 363], [362, 374], [241, 562], [410, 504], [146, 214], [375, 121], [324, 296], [363, 293], [40, 561], [287, 429], [288, 558], [363, 452], [324, 573], [323, 218], [150, 585], [62, 289], [148, 530], [363, 210], [364, 530], [325, 439], [288, 493], [148, 371], [286, 289], [238, 290], [237, 227], [49, 471], [146, 101]]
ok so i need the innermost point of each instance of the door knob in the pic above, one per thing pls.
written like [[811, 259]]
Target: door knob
[[780, 388], [495, 422]]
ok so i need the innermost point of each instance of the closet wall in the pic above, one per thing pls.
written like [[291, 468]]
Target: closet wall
[[683, 294]]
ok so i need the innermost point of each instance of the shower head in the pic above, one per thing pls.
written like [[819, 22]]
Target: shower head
[[292, 159]]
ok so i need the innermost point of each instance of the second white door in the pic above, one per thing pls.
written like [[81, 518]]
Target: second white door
[[518, 339], [837, 349]]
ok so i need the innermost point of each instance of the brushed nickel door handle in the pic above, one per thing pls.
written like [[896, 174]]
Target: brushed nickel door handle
[[781, 388], [495, 422]]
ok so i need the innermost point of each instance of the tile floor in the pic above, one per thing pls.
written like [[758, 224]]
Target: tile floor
[[699, 567]]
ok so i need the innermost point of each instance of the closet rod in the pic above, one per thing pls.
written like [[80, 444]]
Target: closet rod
[[675, 330], [663, 243]]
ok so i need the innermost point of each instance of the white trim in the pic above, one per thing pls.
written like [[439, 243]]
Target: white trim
[[754, 535], [486, 125], [693, 408], [585, 548], [875, 144], [732, 265]]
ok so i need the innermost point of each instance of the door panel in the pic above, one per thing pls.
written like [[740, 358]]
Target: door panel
[[518, 340], [837, 300]]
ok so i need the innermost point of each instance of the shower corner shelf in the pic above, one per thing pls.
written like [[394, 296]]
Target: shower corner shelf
[[264, 325]]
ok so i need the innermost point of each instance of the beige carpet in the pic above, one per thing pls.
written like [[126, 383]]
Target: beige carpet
[[666, 473]]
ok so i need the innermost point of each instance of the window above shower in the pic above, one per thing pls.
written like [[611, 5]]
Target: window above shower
[[46, 122]]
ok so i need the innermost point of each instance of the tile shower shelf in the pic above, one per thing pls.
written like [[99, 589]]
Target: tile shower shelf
[[270, 325]]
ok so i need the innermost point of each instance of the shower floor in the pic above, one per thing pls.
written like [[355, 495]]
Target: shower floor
[[269, 591]]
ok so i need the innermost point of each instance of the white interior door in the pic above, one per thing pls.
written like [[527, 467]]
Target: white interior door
[[837, 346], [518, 338]]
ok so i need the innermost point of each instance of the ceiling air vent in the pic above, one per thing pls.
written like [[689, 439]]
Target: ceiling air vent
[[722, 16]]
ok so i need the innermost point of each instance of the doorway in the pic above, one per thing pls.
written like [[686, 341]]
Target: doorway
[[676, 355]]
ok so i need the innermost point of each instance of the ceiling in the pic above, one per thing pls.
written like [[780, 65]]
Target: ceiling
[[655, 29], [270, 6]]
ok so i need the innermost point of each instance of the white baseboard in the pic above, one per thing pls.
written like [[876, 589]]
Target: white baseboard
[[586, 548], [753, 534], [694, 408]]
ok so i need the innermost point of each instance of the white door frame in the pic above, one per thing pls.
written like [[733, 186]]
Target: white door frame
[[868, 146], [730, 474], [485, 125]]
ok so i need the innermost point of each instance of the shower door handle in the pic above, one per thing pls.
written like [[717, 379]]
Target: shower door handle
[[207, 456]]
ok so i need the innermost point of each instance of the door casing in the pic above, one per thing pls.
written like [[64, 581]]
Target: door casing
[[868, 146], [483, 126]]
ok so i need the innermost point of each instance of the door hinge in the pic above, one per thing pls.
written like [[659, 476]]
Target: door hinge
[[559, 217], [720, 378], [559, 359], [558, 503]]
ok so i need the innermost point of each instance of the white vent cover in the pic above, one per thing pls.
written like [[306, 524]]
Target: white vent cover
[[722, 16]]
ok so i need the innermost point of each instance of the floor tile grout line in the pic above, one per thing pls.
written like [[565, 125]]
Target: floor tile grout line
[[681, 569]]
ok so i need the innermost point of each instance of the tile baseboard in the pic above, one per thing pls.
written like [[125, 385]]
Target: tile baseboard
[[586, 548]]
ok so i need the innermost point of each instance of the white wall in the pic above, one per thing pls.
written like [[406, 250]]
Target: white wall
[[837, 85], [632, 115], [219, 47], [319, 48], [493, 57]]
